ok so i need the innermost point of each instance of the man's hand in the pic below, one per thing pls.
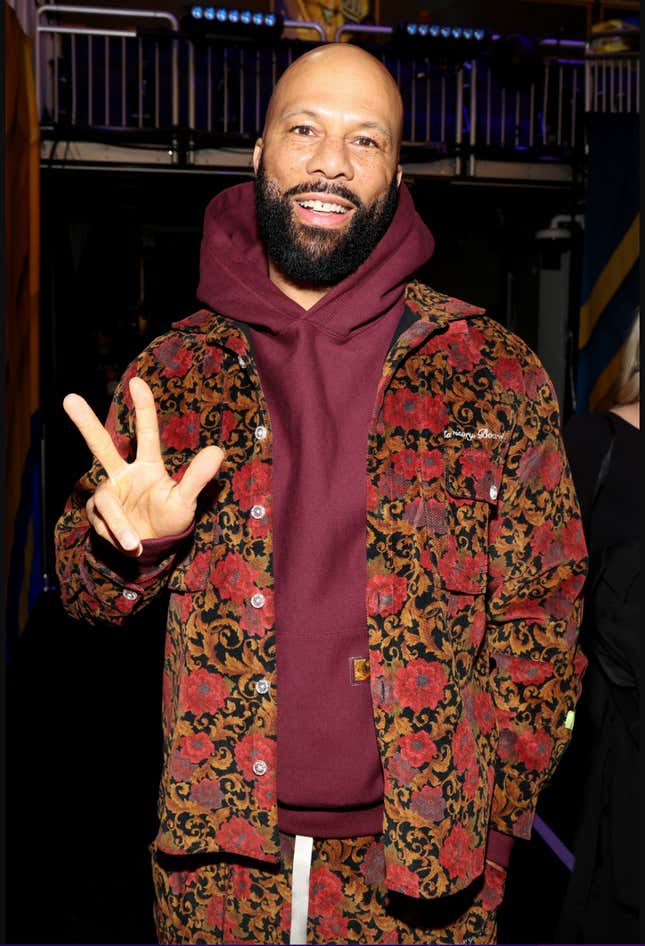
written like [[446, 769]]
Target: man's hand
[[139, 500]]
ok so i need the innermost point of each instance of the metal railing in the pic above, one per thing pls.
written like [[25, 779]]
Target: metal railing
[[612, 85], [125, 79], [93, 63], [92, 77]]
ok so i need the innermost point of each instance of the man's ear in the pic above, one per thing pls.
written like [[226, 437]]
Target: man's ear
[[257, 154]]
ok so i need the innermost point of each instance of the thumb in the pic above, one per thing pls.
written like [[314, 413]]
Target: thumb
[[200, 471]]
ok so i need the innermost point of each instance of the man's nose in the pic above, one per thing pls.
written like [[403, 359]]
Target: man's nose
[[331, 158]]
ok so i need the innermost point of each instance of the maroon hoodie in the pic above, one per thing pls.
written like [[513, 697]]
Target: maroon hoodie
[[319, 370]]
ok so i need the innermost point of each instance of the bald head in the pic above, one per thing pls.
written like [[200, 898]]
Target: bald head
[[352, 79]]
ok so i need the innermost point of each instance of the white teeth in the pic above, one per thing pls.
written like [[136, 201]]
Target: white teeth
[[322, 207]]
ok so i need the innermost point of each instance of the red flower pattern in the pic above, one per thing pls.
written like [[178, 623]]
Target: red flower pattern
[[429, 803], [373, 866], [405, 463], [461, 570], [431, 465], [540, 466], [181, 431], [203, 691], [417, 748], [420, 684], [251, 483], [234, 578], [252, 748], [523, 670], [476, 462], [241, 882], [533, 749], [509, 372], [213, 361], [240, 837], [227, 427], [456, 854], [195, 747], [401, 879], [333, 929], [207, 793], [175, 358], [386, 594], [484, 712], [463, 746], [400, 770], [257, 621], [325, 891]]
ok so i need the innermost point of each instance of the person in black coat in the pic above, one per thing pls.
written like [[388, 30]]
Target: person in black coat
[[602, 901]]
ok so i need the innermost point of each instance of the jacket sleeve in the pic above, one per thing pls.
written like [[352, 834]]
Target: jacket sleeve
[[537, 565], [97, 583]]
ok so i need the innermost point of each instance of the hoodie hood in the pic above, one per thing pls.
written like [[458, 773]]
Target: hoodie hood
[[234, 278]]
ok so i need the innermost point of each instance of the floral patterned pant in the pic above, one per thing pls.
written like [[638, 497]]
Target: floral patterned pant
[[227, 899]]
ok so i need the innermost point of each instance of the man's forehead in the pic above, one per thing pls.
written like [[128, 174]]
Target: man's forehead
[[341, 79]]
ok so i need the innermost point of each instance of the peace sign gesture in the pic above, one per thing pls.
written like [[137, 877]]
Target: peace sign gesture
[[139, 500]]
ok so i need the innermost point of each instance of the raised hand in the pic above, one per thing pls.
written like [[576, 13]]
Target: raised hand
[[139, 500]]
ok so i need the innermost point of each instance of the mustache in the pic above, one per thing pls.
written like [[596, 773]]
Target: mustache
[[326, 187]]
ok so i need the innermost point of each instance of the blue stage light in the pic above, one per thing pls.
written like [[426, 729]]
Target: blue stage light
[[233, 16], [456, 32], [423, 29], [468, 33], [245, 17], [445, 31], [479, 34], [197, 13], [411, 29], [269, 19], [435, 31], [221, 14], [258, 19], [209, 13]]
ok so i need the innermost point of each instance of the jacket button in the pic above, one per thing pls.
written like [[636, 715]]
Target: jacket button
[[262, 687], [260, 767], [260, 433], [493, 492], [258, 599], [241, 360], [258, 511], [130, 595]]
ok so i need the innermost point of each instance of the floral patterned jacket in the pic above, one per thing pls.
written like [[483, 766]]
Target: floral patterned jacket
[[476, 561]]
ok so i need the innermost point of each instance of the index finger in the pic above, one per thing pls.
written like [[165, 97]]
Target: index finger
[[94, 434]]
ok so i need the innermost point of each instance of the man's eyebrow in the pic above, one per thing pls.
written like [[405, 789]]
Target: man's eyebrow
[[376, 126], [299, 111]]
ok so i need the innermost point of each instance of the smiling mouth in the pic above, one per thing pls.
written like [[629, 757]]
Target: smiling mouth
[[323, 206]]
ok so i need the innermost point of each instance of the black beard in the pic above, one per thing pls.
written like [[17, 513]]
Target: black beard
[[313, 256]]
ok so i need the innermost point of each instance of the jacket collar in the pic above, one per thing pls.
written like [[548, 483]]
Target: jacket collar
[[425, 311]]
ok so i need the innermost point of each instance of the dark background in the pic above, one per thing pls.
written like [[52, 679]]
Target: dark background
[[120, 263]]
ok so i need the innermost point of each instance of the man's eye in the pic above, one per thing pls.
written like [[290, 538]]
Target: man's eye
[[365, 142], [302, 129]]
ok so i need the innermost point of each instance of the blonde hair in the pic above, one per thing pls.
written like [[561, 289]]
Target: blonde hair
[[627, 388]]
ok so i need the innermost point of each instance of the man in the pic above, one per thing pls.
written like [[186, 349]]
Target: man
[[370, 666]]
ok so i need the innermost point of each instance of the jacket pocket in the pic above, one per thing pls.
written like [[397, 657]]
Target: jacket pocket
[[472, 482]]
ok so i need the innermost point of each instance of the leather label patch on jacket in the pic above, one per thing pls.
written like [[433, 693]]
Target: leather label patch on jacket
[[360, 669]]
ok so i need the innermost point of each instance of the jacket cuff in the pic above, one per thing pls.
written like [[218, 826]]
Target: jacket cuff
[[154, 551], [499, 847]]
